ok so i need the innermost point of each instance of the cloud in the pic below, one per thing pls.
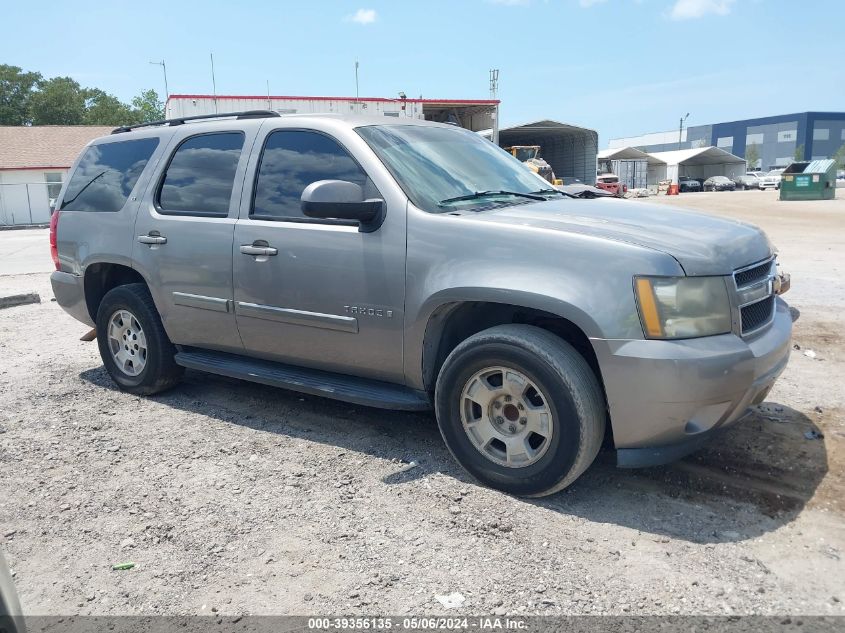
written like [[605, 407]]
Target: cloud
[[586, 4], [693, 9], [363, 16]]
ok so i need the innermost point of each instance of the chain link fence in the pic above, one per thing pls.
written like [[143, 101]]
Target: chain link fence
[[27, 204]]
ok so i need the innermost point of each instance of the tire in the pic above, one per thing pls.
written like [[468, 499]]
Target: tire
[[555, 379], [127, 317]]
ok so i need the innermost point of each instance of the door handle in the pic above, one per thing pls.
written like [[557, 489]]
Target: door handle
[[249, 249], [152, 239]]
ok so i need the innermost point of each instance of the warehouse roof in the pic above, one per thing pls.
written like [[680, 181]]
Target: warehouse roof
[[698, 156], [629, 153], [45, 146]]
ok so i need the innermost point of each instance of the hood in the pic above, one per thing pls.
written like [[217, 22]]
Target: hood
[[702, 244]]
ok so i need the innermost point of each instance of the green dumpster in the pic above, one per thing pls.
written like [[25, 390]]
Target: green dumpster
[[814, 180]]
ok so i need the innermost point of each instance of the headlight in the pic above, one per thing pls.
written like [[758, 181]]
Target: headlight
[[683, 307]]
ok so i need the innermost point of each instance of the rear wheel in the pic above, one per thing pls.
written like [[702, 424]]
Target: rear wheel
[[133, 344], [520, 409]]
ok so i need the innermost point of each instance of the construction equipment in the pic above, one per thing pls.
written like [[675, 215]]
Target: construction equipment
[[530, 155]]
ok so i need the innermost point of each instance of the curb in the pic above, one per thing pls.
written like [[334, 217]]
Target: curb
[[19, 300], [22, 227]]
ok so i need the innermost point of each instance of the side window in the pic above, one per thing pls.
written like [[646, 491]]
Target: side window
[[107, 174], [292, 160], [200, 176]]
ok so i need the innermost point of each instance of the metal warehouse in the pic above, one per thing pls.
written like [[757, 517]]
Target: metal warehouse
[[473, 114], [778, 140], [570, 150], [702, 162]]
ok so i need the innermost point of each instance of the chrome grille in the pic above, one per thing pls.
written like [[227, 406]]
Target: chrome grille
[[748, 276], [755, 295]]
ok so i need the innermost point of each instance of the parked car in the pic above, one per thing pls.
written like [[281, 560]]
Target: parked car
[[686, 184], [406, 264], [611, 184], [747, 181], [719, 183], [771, 180]]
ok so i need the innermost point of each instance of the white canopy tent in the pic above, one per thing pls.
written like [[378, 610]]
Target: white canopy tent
[[634, 167], [700, 162]]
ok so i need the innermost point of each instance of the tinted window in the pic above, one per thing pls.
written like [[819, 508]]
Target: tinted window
[[291, 161], [107, 174], [201, 175]]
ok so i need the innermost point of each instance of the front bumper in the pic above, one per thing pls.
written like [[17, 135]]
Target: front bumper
[[70, 295], [667, 397]]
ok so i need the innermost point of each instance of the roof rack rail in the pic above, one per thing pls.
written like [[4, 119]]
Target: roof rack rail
[[247, 114]]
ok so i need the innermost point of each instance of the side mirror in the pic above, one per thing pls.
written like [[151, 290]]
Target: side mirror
[[341, 200]]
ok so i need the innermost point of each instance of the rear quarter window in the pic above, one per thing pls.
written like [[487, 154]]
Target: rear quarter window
[[106, 175]]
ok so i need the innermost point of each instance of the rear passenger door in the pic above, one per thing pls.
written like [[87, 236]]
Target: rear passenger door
[[183, 234]]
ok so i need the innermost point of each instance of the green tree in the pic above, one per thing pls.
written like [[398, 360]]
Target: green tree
[[839, 157], [16, 90], [102, 108], [60, 101], [799, 153], [752, 155], [148, 106]]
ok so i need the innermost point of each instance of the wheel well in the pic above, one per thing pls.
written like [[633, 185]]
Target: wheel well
[[455, 322], [100, 278]]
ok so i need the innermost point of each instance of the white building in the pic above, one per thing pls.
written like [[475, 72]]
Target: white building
[[34, 162], [473, 114]]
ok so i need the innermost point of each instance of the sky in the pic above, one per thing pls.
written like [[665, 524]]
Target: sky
[[621, 67]]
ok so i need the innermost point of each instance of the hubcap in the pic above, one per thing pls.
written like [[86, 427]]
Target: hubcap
[[127, 342], [506, 417]]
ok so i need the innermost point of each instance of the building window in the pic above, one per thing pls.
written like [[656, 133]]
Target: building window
[[787, 136], [54, 185], [725, 141], [396, 114], [821, 134], [754, 139]]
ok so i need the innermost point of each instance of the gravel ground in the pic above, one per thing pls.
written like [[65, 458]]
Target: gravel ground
[[243, 499]]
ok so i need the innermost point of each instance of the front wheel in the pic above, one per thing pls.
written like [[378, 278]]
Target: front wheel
[[135, 349], [520, 409]]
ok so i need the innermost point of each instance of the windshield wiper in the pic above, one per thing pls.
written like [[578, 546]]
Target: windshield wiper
[[558, 191], [87, 184], [488, 194]]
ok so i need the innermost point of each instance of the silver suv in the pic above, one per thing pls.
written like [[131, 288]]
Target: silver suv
[[411, 265]]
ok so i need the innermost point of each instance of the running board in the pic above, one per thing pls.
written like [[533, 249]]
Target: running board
[[363, 391]]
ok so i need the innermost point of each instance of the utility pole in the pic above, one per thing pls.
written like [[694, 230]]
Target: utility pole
[[269, 105], [681, 129], [164, 70], [357, 106], [494, 91], [213, 83]]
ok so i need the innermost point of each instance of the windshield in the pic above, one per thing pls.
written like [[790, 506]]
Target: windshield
[[525, 153], [435, 166]]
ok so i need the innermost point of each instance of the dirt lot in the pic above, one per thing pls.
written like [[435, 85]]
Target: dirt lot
[[244, 499]]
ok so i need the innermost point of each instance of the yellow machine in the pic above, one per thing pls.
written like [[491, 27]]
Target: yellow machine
[[530, 155]]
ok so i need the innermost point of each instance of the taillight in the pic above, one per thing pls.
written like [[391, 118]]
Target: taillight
[[54, 246]]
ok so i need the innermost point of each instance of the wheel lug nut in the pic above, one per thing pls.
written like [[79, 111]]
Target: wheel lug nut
[[497, 405], [500, 420], [520, 406], [507, 398], [523, 421], [512, 428]]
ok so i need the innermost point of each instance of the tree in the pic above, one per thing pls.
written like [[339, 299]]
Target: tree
[[16, 90], [799, 153], [102, 108], [839, 157], [60, 101], [148, 107], [752, 155]]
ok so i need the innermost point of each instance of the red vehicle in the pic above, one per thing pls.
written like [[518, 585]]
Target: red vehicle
[[610, 182]]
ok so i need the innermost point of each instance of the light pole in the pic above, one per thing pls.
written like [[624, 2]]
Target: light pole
[[164, 70], [681, 129]]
